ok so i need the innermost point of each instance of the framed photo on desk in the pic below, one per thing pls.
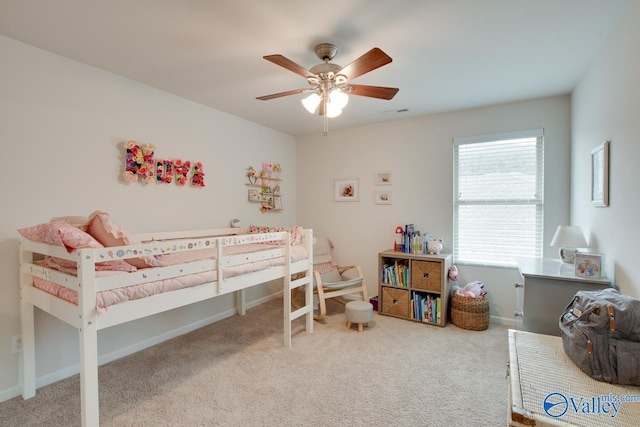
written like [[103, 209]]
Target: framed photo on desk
[[588, 265]]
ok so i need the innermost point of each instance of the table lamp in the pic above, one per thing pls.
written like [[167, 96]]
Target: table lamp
[[568, 238]]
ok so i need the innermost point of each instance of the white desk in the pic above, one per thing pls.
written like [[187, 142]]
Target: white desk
[[547, 287]]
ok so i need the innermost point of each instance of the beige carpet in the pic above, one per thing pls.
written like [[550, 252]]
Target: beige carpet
[[237, 373]]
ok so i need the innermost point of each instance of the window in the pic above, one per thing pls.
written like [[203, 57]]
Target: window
[[498, 198]]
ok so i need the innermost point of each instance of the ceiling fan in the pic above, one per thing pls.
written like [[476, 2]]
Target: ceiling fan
[[330, 83]]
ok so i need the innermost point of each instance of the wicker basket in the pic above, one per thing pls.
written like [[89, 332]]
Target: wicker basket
[[470, 313], [426, 275], [395, 301]]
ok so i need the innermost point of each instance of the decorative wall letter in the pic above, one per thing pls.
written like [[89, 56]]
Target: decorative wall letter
[[139, 163], [164, 171], [197, 175], [182, 169]]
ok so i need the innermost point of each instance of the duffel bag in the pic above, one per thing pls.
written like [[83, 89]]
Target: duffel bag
[[601, 333]]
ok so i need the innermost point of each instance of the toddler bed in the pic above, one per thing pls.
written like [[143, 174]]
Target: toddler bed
[[94, 275]]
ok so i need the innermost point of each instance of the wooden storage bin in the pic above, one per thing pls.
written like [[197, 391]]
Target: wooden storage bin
[[395, 302], [470, 313], [426, 275]]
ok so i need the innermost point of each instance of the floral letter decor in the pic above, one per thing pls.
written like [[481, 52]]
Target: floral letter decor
[[164, 171], [197, 175], [181, 171], [139, 163]]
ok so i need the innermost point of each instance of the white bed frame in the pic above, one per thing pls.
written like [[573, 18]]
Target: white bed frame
[[86, 319]]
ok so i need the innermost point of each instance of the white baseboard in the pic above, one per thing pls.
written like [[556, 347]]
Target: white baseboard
[[10, 393], [510, 322], [61, 374]]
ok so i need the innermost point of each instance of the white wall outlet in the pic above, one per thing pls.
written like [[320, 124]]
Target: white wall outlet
[[16, 343]]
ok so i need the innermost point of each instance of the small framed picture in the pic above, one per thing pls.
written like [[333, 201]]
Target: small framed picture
[[346, 190], [254, 196], [383, 178], [383, 197], [588, 265], [600, 175], [277, 202]]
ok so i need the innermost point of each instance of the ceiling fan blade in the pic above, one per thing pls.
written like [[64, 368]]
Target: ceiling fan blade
[[280, 94], [374, 91], [371, 60], [289, 65]]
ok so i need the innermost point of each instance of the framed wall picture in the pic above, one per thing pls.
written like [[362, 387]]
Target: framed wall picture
[[383, 178], [277, 202], [254, 196], [383, 197], [346, 190], [600, 175]]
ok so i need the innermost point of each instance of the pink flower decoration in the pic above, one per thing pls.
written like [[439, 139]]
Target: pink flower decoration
[[197, 175], [182, 169], [130, 176]]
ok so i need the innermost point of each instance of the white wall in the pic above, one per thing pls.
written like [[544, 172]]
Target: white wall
[[61, 128], [605, 105], [419, 153], [61, 124]]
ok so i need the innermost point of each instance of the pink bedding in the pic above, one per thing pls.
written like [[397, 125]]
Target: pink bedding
[[115, 296]]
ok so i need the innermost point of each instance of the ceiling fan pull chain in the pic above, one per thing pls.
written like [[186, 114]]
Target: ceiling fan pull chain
[[325, 116]]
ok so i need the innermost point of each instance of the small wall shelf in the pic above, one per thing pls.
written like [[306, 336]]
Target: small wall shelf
[[265, 190]]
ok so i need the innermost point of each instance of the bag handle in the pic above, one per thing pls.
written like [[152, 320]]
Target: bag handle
[[570, 309], [612, 318]]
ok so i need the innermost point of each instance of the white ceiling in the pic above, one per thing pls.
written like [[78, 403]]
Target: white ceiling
[[447, 54]]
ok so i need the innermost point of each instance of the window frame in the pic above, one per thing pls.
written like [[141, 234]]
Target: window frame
[[537, 199]]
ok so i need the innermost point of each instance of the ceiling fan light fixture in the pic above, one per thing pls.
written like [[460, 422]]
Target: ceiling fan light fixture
[[330, 83], [339, 98], [333, 110], [311, 102]]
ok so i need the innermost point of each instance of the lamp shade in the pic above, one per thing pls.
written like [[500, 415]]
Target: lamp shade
[[333, 110], [339, 98], [569, 236], [311, 102]]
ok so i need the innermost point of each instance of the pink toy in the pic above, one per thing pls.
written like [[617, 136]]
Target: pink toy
[[472, 290], [453, 273]]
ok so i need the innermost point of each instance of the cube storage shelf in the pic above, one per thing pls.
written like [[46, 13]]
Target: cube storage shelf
[[414, 286]]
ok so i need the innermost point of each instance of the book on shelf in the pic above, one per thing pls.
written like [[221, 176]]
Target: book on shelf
[[426, 308], [412, 240], [396, 274]]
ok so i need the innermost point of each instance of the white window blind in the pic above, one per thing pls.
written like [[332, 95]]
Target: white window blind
[[498, 198]]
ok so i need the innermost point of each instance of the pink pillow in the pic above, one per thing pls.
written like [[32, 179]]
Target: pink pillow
[[80, 222], [61, 233], [110, 234]]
